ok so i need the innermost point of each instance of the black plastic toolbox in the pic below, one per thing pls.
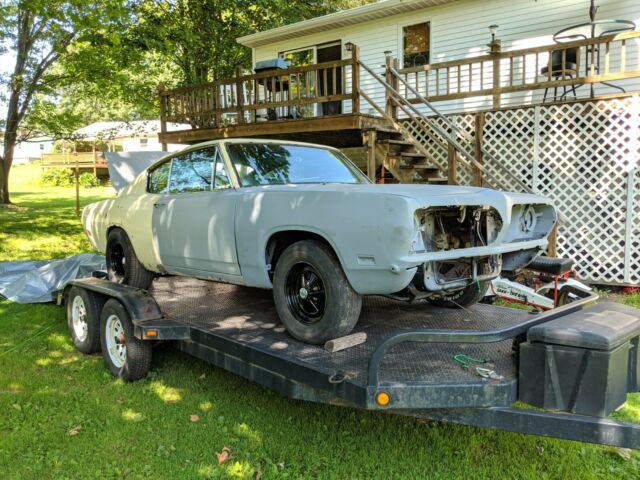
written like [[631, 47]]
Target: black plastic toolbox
[[584, 363]]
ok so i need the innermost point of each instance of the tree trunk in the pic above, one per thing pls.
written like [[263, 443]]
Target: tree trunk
[[5, 166]]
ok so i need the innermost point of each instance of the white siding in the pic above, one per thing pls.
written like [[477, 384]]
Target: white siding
[[460, 30]]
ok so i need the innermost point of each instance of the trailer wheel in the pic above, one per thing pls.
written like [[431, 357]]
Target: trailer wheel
[[122, 264], [83, 319], [126, 356], [470, 295], [313, 297]]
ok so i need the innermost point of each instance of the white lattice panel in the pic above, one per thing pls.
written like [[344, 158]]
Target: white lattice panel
[[585, 157]]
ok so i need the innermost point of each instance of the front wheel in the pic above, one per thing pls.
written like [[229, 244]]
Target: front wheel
[[313, 297], [466, 297]]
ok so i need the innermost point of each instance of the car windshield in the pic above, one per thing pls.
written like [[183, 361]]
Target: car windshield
[[277, 164]]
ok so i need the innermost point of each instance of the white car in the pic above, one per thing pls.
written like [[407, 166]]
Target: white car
[[302, 220]]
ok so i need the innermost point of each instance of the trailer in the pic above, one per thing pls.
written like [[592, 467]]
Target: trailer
[[473, 366]]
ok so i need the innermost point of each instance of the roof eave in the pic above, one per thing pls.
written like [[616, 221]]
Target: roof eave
[[338, 19]]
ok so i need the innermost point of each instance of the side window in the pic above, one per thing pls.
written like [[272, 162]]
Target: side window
[[192, 172], [159, 178], [221, 179]]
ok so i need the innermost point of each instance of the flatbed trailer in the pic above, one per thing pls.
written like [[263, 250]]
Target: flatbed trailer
[[407, 365]]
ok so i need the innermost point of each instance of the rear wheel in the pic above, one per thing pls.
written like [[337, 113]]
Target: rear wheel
[[462, 298], [313, 297], [122, 264], [126, 356]]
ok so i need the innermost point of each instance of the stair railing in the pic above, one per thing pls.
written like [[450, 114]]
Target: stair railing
[[428, 128]]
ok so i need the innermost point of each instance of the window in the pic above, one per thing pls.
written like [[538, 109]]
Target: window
[[277, 164], [221, 179], [159, 178], [193, 171], [415, 39], [144, 142]]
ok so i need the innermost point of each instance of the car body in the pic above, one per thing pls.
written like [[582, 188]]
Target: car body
[[386, 238]]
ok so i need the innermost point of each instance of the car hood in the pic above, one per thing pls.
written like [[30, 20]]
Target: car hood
[[422, 194]]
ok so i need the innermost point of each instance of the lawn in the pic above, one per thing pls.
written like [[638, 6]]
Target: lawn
[[64, 417]]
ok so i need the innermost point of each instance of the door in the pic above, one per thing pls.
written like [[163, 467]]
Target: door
[[328, 53], [193, 224]]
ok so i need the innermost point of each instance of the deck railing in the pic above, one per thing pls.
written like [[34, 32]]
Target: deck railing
[[604, 59], [278, 94], [299, 92], [82, 160]]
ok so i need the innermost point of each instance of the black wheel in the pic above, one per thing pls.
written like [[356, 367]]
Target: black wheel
[[122, 264], [462, 298], [313, 297], [83, 319], [126, 356]]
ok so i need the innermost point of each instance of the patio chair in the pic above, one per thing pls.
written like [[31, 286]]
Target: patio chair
[[557, 73]]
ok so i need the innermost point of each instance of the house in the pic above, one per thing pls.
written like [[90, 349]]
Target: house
[[489, 93], [132, 136], [30, 150], [137, 139]]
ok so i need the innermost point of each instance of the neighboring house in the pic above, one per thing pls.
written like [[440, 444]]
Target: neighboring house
[[133, 136], [31, 150], [524, 112]]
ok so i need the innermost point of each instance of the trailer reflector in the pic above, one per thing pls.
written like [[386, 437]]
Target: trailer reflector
[[151, 333], [382, 399]]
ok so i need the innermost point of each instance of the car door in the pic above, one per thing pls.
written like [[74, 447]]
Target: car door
[[193, 224]]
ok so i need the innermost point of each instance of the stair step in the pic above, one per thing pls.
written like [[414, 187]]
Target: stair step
[[413, 155], [437, 180], [391, 141], [424, 166]]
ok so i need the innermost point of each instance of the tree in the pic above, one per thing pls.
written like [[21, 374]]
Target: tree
[[198, 37], [40, 34]]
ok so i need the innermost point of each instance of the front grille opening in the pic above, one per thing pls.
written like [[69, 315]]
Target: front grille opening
[[452, 228]]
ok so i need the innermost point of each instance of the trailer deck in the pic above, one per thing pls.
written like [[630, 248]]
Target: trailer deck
[[408, 354], [247, 317]]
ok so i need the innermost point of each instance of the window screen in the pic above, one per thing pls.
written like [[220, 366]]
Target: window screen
[[416, 44]]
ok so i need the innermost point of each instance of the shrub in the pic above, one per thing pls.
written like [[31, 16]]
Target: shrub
[[88, 180], [58, 177]]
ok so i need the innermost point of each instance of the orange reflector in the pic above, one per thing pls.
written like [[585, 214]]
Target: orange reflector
[[382, 399], [152, 333]]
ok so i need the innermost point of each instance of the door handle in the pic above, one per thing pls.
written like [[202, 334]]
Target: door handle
[[159, 204]]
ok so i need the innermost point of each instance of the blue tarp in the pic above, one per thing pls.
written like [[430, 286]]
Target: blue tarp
[[40, 281]]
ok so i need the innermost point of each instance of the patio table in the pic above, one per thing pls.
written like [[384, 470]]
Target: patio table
[[591, 30]]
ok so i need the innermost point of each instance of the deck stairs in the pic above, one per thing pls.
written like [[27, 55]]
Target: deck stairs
[[408, 153]]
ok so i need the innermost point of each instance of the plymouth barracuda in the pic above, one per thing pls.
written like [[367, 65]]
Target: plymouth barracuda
[[304, 221]]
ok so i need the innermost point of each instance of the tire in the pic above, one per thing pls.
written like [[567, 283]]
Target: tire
[[470, 295], [122, 264], [313, 297], [126, 356], [83, 319]]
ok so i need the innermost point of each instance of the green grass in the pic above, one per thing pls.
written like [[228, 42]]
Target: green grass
[[143, 430]]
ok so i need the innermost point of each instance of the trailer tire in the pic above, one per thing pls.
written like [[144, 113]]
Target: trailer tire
[[126, 356], [83, 319], [122, 264], [312, 294], [466, 297]]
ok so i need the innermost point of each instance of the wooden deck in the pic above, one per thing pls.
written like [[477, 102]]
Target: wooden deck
[[340, 131]]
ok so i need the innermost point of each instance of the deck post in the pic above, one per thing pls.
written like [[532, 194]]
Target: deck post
[[355, 79], [240, 95], [163, 114], [496, 48], [390, 106], [479, 140], [452, 164], [372, 136]]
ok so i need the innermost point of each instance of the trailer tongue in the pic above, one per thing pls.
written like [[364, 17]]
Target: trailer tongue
[[576, 368]]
